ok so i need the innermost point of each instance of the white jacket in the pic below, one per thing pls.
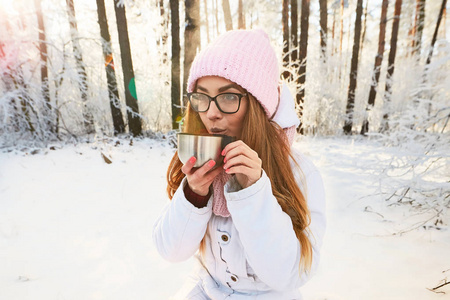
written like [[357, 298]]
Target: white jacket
[[254, 254]]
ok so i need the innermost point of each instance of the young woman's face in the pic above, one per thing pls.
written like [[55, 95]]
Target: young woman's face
[[215, 121]]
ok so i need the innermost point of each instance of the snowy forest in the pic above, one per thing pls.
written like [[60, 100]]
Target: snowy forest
[[92, 96]]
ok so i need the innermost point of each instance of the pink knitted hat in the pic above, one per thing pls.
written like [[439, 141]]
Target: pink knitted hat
[[244, 57]]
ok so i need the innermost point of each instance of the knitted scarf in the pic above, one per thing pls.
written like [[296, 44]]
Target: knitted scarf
[[219, 202], [220, 207]]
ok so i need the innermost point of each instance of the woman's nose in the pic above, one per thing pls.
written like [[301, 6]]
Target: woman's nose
[[213, 112]]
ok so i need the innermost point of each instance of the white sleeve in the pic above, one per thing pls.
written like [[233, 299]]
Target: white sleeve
[[316, 204], [267, 235], [181, 226]]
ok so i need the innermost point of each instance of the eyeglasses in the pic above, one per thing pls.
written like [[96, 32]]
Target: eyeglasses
[[228, 103]]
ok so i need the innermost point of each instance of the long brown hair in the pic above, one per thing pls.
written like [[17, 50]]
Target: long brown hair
[[270, 142]]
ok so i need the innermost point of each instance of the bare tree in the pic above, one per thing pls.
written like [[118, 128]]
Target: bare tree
[[304, 26], [333, 50], [436, 30], [391, 64], [216, 15], [285, 24], [162, 40], [205, 5], [376, 66], [88, 118], [191, 36], [418, 26], [44, 69], [227, 14], [323, 27], [363, 37], [134, 119], [353, 71], [114, 100], [294, 34], [341, 19], [175, 69], [241, 15]]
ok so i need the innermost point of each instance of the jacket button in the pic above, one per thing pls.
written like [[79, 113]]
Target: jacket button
[[224, 238], [234, 278]]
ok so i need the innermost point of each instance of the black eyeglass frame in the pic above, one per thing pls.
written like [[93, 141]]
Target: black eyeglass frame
[[240, 96]]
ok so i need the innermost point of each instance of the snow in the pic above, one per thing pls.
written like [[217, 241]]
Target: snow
[[75, 227]]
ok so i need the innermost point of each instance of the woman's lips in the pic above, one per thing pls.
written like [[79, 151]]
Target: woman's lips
[[217, 130]]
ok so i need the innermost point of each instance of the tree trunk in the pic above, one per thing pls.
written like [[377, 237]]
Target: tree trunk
[[134, 119], [227, 15], [376, 66], [341, 34], [323, 28], [216, 15], [205, 2], [88, 119], [294, 34], [444, 26], [353, 71], [333, 50], [164, 32], [436, 30], [364, 28], [175, 72], [285, 23], [114, 100], [418, 26], [241, 15], [44, 70], [391, 64], [304, 25], [191, 37]]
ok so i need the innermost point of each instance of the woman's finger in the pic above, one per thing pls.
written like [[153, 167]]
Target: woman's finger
[[242, 160], [200, 180], [187, 167], [205, 168], [240, 148], [231, 146]]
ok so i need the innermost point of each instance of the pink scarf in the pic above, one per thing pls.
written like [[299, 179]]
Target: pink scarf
[[219, 202]]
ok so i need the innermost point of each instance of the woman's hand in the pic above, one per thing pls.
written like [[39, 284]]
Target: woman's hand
[[200, 179], [242, 161]]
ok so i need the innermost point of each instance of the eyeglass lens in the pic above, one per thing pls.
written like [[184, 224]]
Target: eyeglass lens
[[228, 103]]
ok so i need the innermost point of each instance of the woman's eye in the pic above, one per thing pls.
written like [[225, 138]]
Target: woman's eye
[[230, 97]]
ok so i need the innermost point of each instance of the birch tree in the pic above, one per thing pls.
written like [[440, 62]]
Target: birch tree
[[227, 15], [50, 123], [353, 72], [418, 26], [285, 27], [294, 35], [191, 36], [241, 15], [113, 92], [391, 65], [134, 119], [304, 26], [323, 27], [88, 118], [175, 68], [376, 66]]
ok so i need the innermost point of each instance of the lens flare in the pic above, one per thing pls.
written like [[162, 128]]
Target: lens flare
[[109, 61]]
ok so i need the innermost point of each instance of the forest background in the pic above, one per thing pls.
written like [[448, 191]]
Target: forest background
[[86, 71], [74, 68]]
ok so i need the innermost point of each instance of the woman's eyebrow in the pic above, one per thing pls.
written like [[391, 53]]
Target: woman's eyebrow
[[221, 89], [202, 88], [229, 86]]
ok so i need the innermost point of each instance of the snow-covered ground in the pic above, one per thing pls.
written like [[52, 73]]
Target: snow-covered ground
[[75, 227]]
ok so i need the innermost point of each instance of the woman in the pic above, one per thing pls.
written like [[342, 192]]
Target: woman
[[255, 224]]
